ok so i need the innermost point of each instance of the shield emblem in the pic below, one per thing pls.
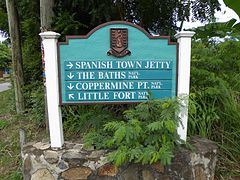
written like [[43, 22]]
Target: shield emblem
[[119, 42]]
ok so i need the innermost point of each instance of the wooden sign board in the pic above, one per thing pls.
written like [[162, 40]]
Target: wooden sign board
[[117, 62]]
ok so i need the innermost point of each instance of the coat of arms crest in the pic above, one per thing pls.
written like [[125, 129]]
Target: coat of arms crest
[[119, 42]]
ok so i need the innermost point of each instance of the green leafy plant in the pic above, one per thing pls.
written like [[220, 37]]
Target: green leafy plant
[[80, 119], [5, 56], [214, 101], [147, 134], [3, 124], [34, 100]]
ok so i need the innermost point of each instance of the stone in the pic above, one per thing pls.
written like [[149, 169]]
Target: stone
[[96, 154], [51, 156], [62, 165], [45, 146], [43, 174], [77, 163], [199, 173], [203, 146], [158, 167], [168, 178], [69, 145], [108, 170], [78, 147], [41, 145], [91, 164], [27, 166], [77, 173], [147, 175], [37, 145], [28, 146], [102, 161], [74, 158], [131, 172]]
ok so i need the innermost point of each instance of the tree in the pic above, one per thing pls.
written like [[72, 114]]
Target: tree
[[14, 30], [79, 17], [46, 13], [5, 57], [3, 19], [234, 5]]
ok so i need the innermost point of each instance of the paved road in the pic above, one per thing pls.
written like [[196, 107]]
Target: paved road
[[5, 86]]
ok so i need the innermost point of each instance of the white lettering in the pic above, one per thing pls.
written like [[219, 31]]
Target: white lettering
[[93, 96], [94, 65], [112, 75], [86, 75], [123, 95]]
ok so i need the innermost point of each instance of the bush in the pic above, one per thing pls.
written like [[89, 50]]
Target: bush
[[146, 134], [214, 105]]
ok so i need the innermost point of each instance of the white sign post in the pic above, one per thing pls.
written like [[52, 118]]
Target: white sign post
[[49, 40], [184, 58]]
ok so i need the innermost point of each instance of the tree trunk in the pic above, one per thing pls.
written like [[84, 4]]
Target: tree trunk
[[17, 64], [46, 14]]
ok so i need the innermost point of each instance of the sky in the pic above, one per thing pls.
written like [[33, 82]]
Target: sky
[[221, 16], [224, 15]]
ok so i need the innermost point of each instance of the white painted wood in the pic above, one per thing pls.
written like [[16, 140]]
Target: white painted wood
[[49, 40], [184, 58]]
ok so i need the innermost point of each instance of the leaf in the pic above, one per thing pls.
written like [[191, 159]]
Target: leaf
[[230, 23], [170, 125], [147, 154], [155, 126], [237, 27], [135, 153], [121, 156], [233, 4], [155, 157], [120, 134], [166, 154]]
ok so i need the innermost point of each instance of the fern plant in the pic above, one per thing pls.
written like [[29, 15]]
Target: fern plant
[[146, 134]]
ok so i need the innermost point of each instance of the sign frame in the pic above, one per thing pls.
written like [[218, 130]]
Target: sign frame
[[68, 37]]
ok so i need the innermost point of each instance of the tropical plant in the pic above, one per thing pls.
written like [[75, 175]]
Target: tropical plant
[[147, 134], [214, 101]]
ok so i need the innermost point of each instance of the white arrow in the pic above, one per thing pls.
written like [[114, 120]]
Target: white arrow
[[71, 96], [70, 86], [70, 76], [70, 65]]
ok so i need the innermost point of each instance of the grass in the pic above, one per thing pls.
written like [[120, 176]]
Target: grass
[[10, 123]]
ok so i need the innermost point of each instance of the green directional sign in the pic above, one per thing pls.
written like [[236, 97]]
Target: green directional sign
[[117, 62]]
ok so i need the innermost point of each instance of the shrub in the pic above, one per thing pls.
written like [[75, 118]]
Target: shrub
[[146, 134]]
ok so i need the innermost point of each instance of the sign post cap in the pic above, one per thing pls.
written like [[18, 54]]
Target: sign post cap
[[181, 34], [49, 35]]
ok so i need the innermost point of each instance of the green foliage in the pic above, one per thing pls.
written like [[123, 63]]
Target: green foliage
[[30, 27], [82, 118], [3, 19], [146, 134], [16, 175], [3, 124], [214, 102], [229, 30], [233, 5], [5, 56], [79, 17], [7, 102], [34, 101], [10, 159]]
